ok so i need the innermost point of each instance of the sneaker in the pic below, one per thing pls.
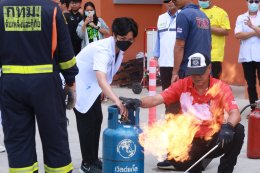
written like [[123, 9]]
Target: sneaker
[[165, 165], [85, 168], [2, 149]]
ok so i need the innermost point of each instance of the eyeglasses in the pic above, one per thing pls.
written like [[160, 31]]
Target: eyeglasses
[[253, 1]]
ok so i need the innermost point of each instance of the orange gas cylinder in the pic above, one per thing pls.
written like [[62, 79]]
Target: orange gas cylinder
[[253, 140]]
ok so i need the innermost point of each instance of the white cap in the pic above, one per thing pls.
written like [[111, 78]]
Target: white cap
[[197, 64]]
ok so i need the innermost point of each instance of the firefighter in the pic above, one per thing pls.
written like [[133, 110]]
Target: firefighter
[[35, 47]]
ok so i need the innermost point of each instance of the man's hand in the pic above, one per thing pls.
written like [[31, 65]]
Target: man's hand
[[226, 134], [175, 77], [92, 24], [248, 22], [131, 103], [70, 94], [157, 64]]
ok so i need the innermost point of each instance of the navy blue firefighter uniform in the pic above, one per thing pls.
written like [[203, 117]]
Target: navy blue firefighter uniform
[[35, 48]]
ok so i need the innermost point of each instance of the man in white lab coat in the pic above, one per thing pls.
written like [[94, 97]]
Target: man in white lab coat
[[98, 62]]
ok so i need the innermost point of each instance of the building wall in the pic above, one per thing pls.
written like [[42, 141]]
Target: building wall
[[146, 16]]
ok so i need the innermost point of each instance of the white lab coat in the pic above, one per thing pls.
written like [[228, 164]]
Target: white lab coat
[[96, 56], [249, 48]]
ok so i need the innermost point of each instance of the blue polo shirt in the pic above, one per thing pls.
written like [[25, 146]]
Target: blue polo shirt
[[193, 26]]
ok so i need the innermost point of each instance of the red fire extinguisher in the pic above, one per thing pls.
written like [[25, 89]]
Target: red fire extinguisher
[[253, 141]]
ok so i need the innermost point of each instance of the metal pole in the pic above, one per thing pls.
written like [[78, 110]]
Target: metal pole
[[202, 158]]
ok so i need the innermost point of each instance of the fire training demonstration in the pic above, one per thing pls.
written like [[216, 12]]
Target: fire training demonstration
[[175, 82]]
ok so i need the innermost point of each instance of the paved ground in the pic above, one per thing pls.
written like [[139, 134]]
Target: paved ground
[[244, 164]]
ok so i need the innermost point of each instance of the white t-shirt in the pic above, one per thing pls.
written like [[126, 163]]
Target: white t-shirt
[[249, 48], [96, 56]]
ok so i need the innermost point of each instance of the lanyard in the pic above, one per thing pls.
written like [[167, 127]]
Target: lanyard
[[172, 19]]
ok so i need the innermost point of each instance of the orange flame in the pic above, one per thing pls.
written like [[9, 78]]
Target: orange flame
[[173, 135]]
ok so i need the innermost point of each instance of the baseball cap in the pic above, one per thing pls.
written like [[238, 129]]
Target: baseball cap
[[197, 64]]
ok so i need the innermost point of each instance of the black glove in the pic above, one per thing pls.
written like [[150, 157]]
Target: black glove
[[70, 95], [226, 134], [131, 103]]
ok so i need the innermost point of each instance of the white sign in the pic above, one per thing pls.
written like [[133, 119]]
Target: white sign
[[132, 168]]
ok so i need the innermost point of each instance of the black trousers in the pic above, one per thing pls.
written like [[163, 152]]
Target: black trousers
[[201, 147], [27, 99], [216, 69], [89, 127], [166, 75], [250, 70]]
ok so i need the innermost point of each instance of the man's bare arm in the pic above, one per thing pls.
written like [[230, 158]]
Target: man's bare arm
[[178, 57], [151, 101]]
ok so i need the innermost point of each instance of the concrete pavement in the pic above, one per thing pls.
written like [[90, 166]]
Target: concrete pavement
[[244, 164]]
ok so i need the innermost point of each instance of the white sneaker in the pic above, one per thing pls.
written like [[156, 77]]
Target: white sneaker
[[2, 149]]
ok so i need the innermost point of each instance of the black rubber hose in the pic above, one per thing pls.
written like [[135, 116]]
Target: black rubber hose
[[252, 105]]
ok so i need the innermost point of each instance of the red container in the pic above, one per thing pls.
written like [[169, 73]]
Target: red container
[[253, 141]]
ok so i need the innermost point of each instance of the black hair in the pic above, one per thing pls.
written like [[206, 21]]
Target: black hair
[[75, 1], [95, 17], [123, 25], [67, 2]]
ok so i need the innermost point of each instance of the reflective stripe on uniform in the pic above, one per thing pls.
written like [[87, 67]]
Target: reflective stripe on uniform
[[31, 69], [64, 169], [68, 64], [54, 33], [29, 169]]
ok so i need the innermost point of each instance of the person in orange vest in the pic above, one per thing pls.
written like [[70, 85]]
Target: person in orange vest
[[35, 48]]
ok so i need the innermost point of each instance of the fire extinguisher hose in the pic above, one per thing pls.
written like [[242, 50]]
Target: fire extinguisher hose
[[252, 105]]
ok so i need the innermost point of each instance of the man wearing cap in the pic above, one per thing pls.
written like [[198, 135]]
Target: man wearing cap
[[230, 135], [193, 35]]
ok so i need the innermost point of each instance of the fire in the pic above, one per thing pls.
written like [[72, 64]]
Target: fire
[[214, 90], [173, 135]]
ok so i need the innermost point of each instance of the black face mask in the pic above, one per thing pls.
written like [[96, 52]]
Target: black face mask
[[123, 45]]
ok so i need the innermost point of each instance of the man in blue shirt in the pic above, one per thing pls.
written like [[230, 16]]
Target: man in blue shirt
[[193, 35]]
